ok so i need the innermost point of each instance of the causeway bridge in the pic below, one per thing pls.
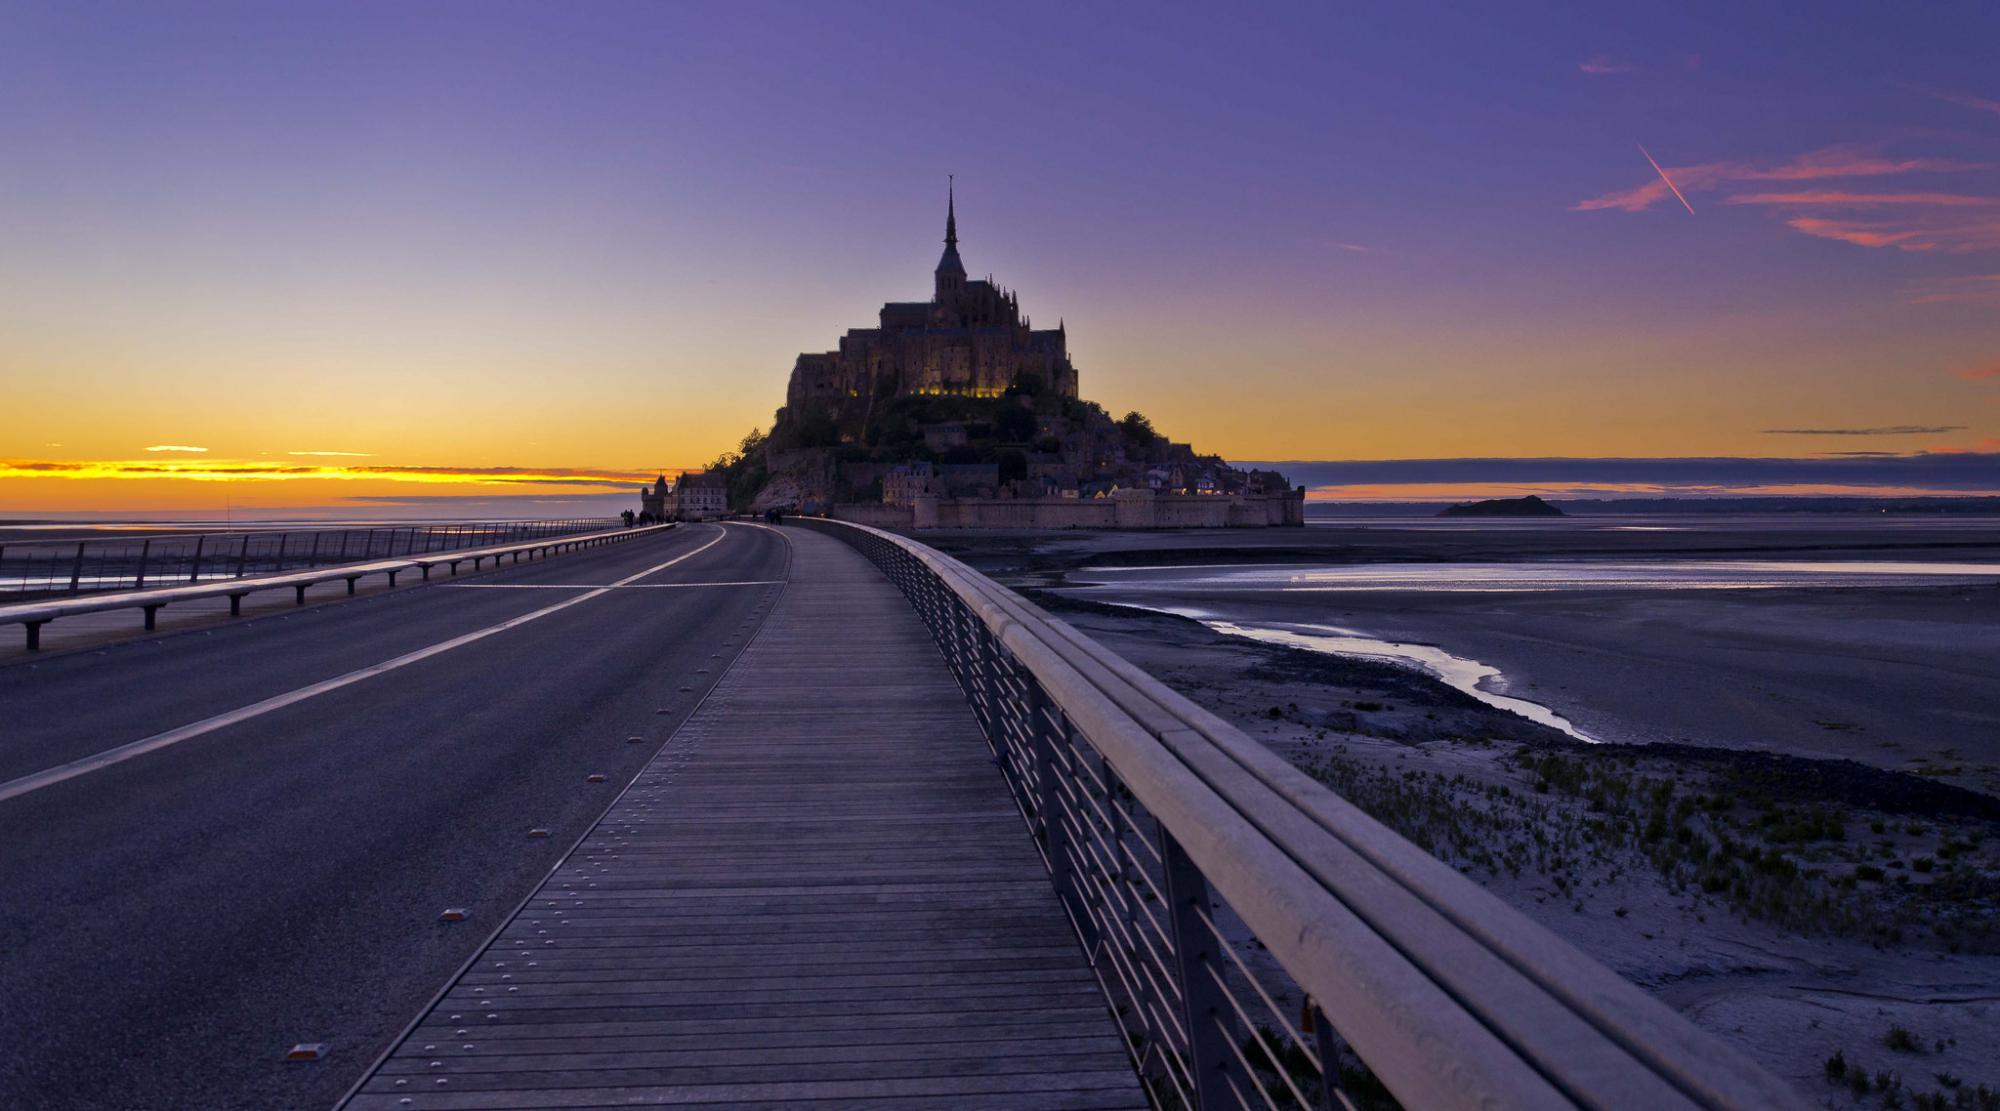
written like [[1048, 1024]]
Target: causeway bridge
[[726, 815]]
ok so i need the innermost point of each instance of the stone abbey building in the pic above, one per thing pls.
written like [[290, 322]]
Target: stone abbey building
[[968, 340], [957, 413]]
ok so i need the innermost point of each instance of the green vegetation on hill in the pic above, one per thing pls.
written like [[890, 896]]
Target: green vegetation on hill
[[1003, 431], [745, 469]]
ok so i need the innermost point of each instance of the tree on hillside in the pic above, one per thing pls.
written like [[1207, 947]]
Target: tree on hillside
[[743, 470], [1138, 430]]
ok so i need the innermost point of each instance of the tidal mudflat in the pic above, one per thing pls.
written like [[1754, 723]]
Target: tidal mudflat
[[1892, 663], [1785, 817]]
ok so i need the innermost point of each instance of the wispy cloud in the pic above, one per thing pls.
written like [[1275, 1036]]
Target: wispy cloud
[[349, 454], [1888, 430], [1980, 373], [1913, 234], [1602, 65], [1965, 288], [175, 447], [1903, 219], [1839, 199], [1825, 163], [1357, 248], [1963, 100]]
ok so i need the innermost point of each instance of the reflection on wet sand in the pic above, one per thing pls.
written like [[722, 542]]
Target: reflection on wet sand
[[1538, 575], [1471, 676]]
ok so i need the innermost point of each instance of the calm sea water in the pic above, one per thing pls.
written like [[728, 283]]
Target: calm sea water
[[1204, 592], [1541, 574]]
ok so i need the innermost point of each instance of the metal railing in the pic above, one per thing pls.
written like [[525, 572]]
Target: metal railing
[[150, 600], [1262, 942], [40, 568]]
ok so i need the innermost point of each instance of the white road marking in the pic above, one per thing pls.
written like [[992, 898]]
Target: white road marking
[[52, 776], [604, 586]]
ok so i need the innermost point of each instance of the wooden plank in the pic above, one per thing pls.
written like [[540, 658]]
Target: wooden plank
[[818, 893], [947, 1091]]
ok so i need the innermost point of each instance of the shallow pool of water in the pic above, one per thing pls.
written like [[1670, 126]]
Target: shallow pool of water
[[1544, 575], [1471, 676]]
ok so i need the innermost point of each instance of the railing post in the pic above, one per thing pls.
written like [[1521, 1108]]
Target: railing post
[[139, 580], [76, 571], [1046, 730], [1329, 1056], [243, 555], [194, 573], [312, 557], [1196, 969]]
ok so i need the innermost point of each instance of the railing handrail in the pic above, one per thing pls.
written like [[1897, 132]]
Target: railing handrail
[[36, 568], [39, 612], [1449, 995], [276, 527]]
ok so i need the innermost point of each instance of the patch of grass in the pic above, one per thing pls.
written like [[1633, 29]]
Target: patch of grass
[[1749, 841]]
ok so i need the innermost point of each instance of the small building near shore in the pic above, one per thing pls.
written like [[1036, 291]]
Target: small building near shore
[[656, 504], [701, 496]]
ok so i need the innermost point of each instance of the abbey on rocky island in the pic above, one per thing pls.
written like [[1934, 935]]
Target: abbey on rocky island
[[968, 340], [957, 412]]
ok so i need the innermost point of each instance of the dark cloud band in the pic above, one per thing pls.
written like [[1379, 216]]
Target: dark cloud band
[[1969, 472]]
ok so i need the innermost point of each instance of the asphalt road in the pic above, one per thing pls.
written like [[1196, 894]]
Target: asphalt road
[[170, 925]]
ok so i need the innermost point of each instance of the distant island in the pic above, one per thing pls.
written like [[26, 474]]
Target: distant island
[[1530, 506]]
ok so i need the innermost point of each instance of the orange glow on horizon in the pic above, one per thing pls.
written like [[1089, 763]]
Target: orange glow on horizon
[[221, 470], [124, 487]]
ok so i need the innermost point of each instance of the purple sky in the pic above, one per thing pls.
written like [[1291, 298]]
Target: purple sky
[[596, 235]]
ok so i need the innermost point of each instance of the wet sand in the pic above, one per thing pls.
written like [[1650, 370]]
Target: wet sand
[[1790, 992], [1898, 676], [1904, 678]]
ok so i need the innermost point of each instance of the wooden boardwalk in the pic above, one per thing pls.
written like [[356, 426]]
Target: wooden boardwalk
[[819, 893]]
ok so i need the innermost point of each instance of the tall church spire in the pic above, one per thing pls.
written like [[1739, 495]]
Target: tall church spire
[[950, 271], [951, 211]]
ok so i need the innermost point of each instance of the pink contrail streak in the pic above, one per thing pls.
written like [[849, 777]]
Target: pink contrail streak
[[1668, 180]]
